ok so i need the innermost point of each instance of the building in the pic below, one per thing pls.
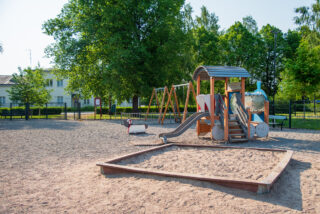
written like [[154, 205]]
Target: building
[[57, 86], [58, 93]]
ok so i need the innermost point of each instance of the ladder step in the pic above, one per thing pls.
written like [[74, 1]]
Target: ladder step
[[232, 135], [235, 120], [239, 140], [235, 130]]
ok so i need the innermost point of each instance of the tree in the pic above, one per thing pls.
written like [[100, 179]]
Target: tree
[[271, 64], [126, 47], [250, 24], [29, 87], [241, 48]]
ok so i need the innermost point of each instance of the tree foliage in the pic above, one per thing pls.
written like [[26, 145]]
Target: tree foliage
[[126, 46], [29, 87]]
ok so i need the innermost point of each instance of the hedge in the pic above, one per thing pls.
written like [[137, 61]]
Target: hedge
[[35, 110]]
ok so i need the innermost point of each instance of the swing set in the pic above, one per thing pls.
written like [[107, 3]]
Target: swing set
[[171, 94]]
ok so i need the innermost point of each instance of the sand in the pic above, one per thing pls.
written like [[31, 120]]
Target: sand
[[49, 167], [254, 164]]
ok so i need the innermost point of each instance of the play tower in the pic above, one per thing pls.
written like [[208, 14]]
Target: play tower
[[224, 116]]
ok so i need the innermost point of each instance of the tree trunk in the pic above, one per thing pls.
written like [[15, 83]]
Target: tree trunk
[[135, 104]]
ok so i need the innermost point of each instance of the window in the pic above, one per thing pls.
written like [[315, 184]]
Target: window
[[86, 101], [59, 83], [60, 99], [2, 100], [49, 82]]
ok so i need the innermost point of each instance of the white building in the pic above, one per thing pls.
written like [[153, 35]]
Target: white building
[[58, 93], [56, 86]]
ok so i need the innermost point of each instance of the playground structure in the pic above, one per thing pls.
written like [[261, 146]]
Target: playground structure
[[172, 93], [215, 114]]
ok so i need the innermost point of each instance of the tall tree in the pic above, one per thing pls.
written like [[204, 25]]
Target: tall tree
[[29, 87], [250, 24], [127, 46], [271, 64], [207, 38]]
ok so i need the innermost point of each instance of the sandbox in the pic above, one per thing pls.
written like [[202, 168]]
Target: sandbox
[[252, 169]]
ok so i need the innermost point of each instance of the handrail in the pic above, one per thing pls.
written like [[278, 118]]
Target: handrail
[[242, 115], [221, 106]]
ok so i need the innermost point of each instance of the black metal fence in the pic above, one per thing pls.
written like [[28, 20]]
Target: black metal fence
[[28, 111], [299, 114]]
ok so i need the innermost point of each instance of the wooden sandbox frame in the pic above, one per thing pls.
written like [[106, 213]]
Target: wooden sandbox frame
[[110, 167]]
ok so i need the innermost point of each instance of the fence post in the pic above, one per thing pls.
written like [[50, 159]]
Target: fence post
[[10, 111], [290, 114], [46, 110], [304, 109], [27, 111], [314, 104], [79, 110], [65, 111]]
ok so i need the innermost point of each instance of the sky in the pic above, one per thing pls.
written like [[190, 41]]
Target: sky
[[23, 40]]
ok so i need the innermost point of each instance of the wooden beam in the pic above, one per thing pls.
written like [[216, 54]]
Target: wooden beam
[[167, 105], [243, 89], [212, 101], [153, 92], [162, 102], [226, 125], [226, 92], [266, 112], [198, 92], [249, 122], [177, 103], [186, 104]]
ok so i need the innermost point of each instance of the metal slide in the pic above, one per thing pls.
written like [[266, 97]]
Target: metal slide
[[184, 126]]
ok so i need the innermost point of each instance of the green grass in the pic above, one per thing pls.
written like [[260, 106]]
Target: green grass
[[300, 123]]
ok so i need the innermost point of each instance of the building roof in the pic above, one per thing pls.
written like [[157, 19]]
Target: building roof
[[6, 80], [206, 72]]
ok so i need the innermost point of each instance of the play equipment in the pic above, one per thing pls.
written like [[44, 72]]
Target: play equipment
[[134, 129], [174, 104], [223, 122]]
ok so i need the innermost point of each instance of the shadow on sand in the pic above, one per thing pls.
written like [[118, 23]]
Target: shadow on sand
[[285, 192]]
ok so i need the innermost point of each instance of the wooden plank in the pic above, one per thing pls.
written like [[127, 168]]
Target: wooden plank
[[226, 92], [198, 92], [243, 89], [212, 102], [266, 112], [226, 125]]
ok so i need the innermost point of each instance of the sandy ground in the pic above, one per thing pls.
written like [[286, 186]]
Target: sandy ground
[[49, 167], [254, 164]]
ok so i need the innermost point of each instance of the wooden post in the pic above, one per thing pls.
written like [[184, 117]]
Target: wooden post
[[186, 104], [249, 121], [167, 105], [198, 92], [243, 88], [193, 92], [266, 112], [157, 100], [177, 103], [153, 92], [226, 125], [226, 93], [212, 103], [162, 102]]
